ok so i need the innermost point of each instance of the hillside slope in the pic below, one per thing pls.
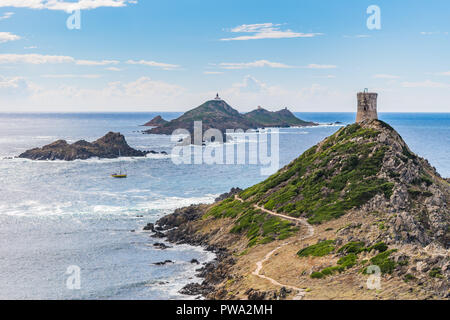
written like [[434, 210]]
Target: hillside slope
[[369, 167], [370, 202]]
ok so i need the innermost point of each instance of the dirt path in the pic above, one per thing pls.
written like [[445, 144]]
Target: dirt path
[[259, 264]]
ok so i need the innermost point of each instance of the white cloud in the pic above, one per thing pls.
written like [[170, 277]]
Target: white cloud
[[35, 58], [96, 63], [329, 76], [71, 76], [385, 76], [64, 5], [270, 64], [6, 15], [430, 33], [164, 66], [30, 47], [320, 66], [266, 31], [212, 72], [113, 69], [254, 64], [425, 84], [14, 88], [8, 36], [251, 92], [358, 36], [445, 73], [140, 94]]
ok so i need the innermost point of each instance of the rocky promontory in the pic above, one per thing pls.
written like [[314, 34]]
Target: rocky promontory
[[108, 147], [365, 201]]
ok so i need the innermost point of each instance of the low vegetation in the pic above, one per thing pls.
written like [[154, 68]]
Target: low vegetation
[[320, 249], [327, 180], [258, 226], [435, 273], [349, 259]]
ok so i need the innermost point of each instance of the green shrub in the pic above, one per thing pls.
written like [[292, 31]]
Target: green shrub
[[383, 261], [262, 228], [380, 247], [409, 277], [320, 249], [435, 273], [317, 275], [352, 247], [330, 270], [348, 261]]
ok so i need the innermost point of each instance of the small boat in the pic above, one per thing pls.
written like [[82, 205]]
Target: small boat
[[120, 175]]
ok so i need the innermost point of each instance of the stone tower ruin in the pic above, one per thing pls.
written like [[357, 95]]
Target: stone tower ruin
[[367, 106]]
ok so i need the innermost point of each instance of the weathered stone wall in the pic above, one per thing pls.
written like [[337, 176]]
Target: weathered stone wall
[[367, 106]]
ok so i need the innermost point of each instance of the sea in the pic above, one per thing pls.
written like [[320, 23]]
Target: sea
[[70, 231]]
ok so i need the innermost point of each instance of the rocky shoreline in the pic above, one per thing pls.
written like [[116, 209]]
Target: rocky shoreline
[[176, 229]]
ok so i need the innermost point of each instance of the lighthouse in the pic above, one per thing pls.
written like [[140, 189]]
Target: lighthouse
[[367, 106]]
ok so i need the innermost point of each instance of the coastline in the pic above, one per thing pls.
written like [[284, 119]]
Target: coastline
[[177, 228]]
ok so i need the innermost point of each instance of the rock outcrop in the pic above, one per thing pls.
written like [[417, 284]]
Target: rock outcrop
[[106, 147], [155, 122]]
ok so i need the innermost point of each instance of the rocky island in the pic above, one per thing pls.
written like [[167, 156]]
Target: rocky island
[[218, 114], [155, 122], [106, 147], [281, 119], [357, 203]]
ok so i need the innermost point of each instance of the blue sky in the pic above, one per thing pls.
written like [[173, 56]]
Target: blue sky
[[308, 55]]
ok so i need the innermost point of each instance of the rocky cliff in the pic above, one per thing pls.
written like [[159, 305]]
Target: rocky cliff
[[365, 203], [106, 147]]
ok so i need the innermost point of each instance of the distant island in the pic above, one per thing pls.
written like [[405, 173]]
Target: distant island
[[218, 114], [156, 122], [106, 147]]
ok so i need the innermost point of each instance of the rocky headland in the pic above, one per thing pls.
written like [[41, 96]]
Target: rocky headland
[[358, 199], [108, 147]]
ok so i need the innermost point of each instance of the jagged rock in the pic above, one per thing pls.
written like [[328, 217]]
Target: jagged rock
[[255, 295], [226, 195], [149, 227], [162, 263], [160, 245], [194, 289]]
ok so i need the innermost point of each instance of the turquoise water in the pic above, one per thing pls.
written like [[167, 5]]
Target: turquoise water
[[57, 214]]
